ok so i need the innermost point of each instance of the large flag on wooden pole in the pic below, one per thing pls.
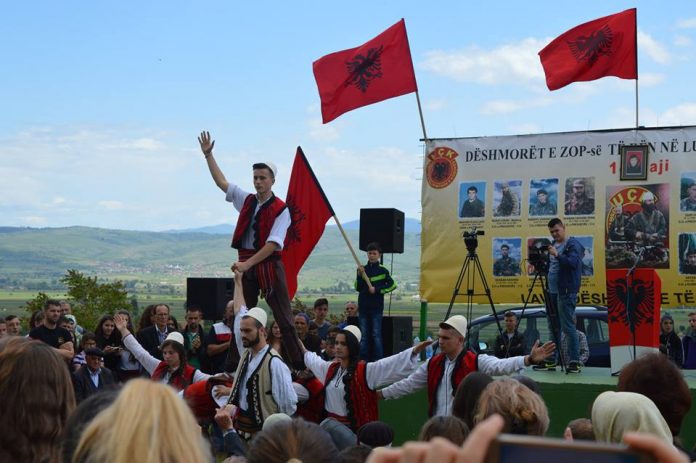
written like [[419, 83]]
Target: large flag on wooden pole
[[375, 71], [604, 47], [309, 211]]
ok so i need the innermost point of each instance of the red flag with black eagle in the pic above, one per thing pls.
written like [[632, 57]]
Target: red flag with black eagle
[[309, 212], [604, 47], [377, 70]]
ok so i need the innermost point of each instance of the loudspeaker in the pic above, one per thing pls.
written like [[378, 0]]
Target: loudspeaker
[[397, 334], [211, 294], [385, 226]]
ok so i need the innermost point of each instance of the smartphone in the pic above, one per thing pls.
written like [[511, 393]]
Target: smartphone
[[509, 448]]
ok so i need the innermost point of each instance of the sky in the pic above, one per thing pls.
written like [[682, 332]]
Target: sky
[[102, 101]]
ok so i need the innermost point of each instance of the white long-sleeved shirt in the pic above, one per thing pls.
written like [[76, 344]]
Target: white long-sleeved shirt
[[236, 196], [281, 384], [379, 373], [445, 395], [150, 363]]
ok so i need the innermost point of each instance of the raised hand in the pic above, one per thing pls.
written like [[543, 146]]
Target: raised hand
[[540, 353], [206, 144]]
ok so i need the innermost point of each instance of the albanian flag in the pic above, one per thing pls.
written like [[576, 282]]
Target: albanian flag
[[375, 71], [604, 47], [309, 212]]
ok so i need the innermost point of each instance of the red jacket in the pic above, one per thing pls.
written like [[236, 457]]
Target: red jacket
[[361, 401], [178, 382], [265, 219]]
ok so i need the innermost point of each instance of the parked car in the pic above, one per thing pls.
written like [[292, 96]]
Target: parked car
[[591, 320]]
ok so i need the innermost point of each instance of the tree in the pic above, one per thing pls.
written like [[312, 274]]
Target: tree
[[89, 298]]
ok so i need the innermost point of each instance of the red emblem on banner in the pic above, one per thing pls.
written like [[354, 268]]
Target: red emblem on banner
[[441, 169]]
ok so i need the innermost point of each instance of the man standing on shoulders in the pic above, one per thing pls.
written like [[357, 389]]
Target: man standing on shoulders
[[53, 335], [152, 337], [371, 302], [321, 311], [259, 237], [565, 270], [262, 385], [511, 342], [443, 372]]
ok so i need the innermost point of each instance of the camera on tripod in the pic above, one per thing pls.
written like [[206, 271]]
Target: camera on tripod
[[471, 238], [538, 255]]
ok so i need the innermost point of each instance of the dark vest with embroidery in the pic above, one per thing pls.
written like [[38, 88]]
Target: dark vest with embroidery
[[263, 223], [465, 363], [361, 401], [178, 382]]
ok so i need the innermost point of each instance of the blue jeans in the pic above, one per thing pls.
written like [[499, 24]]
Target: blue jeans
[[371, 329], [341, 434], [566, 316]]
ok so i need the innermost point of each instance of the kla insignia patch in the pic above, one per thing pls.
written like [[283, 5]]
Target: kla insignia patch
[[441, 169]]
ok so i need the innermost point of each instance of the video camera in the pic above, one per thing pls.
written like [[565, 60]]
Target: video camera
[[538, 255], [471, 238]]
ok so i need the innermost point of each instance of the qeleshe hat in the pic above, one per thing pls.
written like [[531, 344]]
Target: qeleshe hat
[[258, 314], [457, 322], [270, 165], [354, 330]]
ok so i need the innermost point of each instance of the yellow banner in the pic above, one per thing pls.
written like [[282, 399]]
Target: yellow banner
[[626, 195]]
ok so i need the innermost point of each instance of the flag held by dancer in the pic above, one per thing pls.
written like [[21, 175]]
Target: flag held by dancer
[[604, 47], [309, 212], [375, 71]]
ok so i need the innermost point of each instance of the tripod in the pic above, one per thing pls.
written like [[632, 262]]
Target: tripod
[[470, 273]]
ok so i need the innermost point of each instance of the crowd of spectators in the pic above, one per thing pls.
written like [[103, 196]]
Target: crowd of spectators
[[74, 395]]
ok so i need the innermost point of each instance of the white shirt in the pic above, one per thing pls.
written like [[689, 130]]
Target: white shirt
[[445, 395], [379, 373], [237, 196], [150, 363], [281, 382]]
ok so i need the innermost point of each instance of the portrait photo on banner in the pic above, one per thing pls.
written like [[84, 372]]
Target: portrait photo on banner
[[579, 196], [687, 253], [634, 162], [637, 226], [687, 198], [588, 255], [507, 255], [472, 197], [507, 196], [543, 197]]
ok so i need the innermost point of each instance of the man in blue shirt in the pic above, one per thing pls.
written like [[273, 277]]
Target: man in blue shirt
[[565, 270]]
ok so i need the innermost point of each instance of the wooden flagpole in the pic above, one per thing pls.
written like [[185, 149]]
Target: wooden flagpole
[[352, 251]]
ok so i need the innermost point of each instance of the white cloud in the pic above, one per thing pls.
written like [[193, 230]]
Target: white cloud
[[435, 104], [650, 79], [33, 220], [111, 205], [323, 132], [510, 106], [683, 41], [654, 49], [683, 114], [525, 128], [516, 63], [59, 200], [686, 23]]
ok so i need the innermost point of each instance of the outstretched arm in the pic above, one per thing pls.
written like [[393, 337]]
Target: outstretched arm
[[207, 147], [141, 355]]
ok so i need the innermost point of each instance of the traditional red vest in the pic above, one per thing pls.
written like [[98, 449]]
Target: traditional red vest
[[361, 401], [465, 363], [178, 382], [263, 223], [313, 409]]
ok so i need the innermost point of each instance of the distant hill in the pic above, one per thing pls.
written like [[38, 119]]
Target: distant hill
[[412, 226], [44, 254]]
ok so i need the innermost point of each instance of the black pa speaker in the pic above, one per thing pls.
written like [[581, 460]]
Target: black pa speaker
[[385, 226], [397, 334], [210, 294]]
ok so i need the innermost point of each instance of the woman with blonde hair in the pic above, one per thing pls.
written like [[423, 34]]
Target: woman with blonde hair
[[524, 411], [148, 422]]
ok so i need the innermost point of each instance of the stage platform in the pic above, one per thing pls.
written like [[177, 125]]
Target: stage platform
[[567, 397]]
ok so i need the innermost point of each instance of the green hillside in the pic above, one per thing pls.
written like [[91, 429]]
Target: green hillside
[[37, 258]]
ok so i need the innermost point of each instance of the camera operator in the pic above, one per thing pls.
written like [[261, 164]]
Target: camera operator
[[565, 270]]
